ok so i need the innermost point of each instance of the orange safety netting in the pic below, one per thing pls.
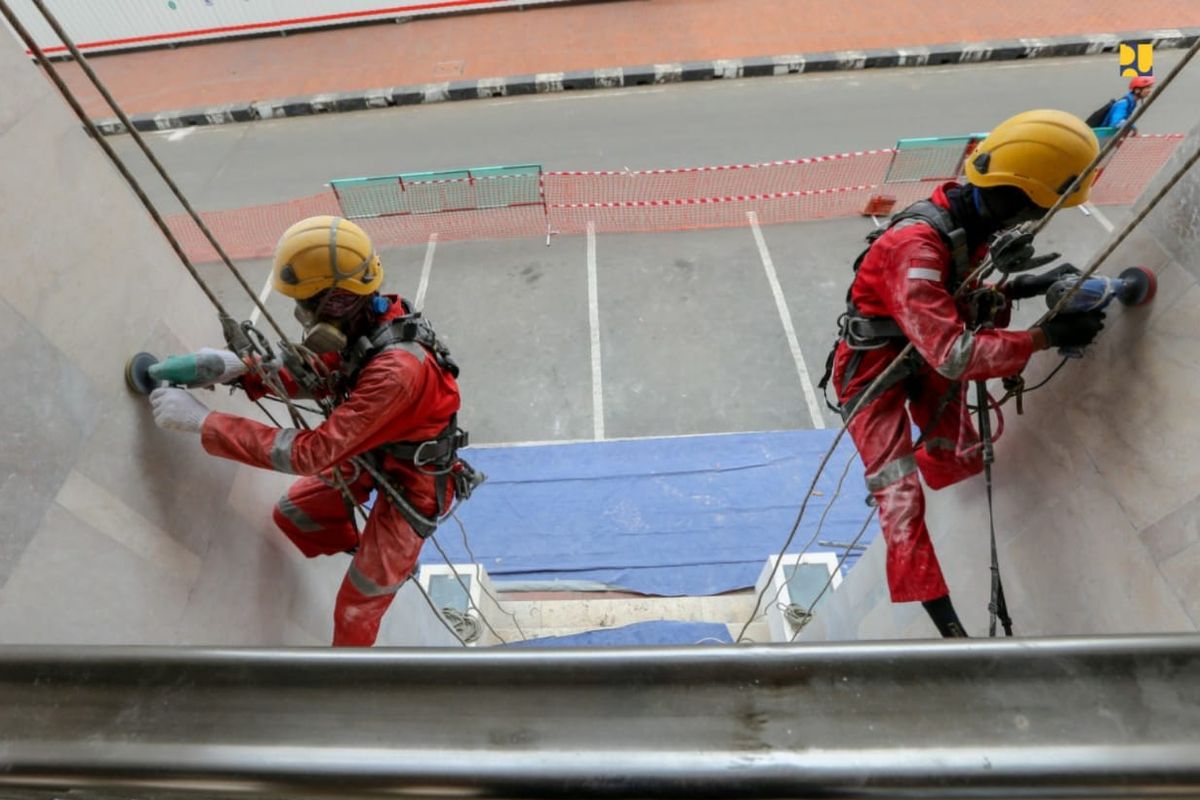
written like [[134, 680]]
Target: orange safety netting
[[645, 201]]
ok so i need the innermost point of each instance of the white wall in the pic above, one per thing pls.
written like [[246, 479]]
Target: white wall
[[111, 530], [1097, 485], [97, 25]]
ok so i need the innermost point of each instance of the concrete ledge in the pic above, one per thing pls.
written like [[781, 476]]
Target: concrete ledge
[[650, 74]]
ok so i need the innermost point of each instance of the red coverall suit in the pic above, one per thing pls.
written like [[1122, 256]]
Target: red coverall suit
[[401, 395], [904, 276]]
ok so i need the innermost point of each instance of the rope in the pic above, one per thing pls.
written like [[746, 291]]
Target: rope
[[986, 265], [465, 624], [757, 603], [812, 609], [438, 614], [997, 607], [795, 525], [466, 591], [69, 96], [1124, 234], [141, 143], [1122, 132], [116, 160], [475, 561], [269, 379], [1099, 259]]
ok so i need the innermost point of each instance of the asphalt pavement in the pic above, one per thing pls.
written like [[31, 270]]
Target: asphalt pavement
[[624, 335]]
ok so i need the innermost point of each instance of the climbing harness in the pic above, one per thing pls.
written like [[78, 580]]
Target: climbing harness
[[412, 327], [863, 333]]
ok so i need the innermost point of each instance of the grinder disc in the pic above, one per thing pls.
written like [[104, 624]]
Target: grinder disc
[[137, 373], [1140, 286]]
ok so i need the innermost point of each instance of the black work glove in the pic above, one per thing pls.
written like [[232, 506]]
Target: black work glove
[[1025, 286], [1073, 330], [1012, 251]]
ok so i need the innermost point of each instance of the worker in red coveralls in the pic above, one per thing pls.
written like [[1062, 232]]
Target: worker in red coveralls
[[902, 292], [394, 397]]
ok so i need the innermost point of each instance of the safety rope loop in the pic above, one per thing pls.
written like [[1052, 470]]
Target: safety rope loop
[[437, 613], [474, 561], [799, 517], [837, 568], [837, 492], [1014, 387], [461, 583]]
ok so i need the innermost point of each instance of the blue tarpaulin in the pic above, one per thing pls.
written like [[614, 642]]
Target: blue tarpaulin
[[681, 516], [659, 632]]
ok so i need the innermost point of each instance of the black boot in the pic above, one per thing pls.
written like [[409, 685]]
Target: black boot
[[941, 611]]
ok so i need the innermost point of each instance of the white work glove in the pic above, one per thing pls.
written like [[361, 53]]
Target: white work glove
[[232, 366], [176, 410]]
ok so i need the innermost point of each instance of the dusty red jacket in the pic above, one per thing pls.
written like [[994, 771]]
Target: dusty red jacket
[[904, 277], [401, 395]]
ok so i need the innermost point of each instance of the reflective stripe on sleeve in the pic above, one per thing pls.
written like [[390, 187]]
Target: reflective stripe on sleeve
[[959, 356], [923, 274], [281, 450]]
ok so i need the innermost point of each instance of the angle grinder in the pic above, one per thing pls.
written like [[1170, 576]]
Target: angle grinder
[[1135, 286], [144, 372]]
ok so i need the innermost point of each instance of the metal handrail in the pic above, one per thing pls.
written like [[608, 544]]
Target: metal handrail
[[1034, 717]]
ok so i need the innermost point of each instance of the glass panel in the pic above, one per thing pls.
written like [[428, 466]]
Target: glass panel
[[447, 592], [805, 582]]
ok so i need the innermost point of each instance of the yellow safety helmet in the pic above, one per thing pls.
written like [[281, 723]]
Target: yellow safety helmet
[[322, 253], [1040, 152]]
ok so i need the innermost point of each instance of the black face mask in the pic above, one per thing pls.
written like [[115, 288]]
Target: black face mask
[[1006, 206]]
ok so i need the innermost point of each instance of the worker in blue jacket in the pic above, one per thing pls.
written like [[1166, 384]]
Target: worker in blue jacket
[[1121, 108]]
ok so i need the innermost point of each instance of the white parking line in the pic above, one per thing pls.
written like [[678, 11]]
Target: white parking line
[[1092, 211], [262, 299], [426, 268], [789, 330], [594, 325]]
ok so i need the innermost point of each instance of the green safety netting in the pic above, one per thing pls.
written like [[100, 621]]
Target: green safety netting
[[440, 192]]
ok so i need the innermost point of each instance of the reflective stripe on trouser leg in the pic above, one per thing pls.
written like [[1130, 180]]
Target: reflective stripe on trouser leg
[[881, 432], [891, 472], [368, 587], [313, 516], [295, 515], [386, 557]]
